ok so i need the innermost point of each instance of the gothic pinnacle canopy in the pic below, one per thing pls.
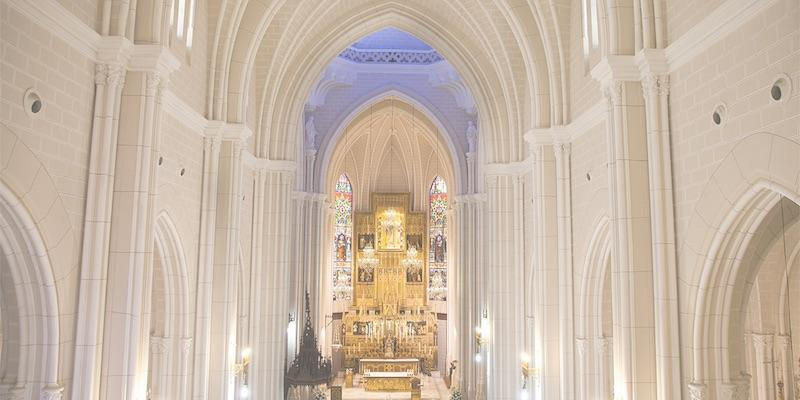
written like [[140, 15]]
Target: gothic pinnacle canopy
[[309, 367]]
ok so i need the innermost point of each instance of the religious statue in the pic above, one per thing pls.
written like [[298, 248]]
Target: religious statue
[[310, 134], [452, 369], [341, 247], [391, 230], [472, 136]]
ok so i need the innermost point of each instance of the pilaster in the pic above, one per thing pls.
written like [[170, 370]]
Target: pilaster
[[546, 339], [270, 275], [226, 269], [562, 152], [467, 281], [208, 214], [504, 283], [764, 367], [633, 281]]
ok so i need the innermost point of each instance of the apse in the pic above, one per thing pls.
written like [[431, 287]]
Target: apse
[[387, 131]]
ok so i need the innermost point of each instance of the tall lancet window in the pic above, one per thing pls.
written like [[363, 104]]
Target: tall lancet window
[[342, 240], [437, 249]]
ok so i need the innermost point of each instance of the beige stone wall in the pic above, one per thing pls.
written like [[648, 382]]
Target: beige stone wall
[[45, 157]]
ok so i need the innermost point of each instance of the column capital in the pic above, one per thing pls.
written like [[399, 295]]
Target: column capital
[[52, 392], [738, 389], [762, 341], [698, 391]]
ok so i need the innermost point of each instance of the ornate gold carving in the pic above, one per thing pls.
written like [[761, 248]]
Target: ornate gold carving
[[389, 317]]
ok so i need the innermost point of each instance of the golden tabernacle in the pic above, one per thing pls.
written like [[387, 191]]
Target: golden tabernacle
[[389, 332]]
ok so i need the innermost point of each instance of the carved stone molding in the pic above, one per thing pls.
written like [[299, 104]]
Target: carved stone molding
[[603, 345], [698, 391], [581, 345], [423, 57], [109, 74], [763, 342], [52, 392], [658, 84], [736, 390]]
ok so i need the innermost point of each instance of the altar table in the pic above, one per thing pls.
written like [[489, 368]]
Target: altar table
[[387, 381], [388, 365]]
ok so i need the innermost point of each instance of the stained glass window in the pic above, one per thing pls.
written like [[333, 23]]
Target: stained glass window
[[437, 248], [342, 239]]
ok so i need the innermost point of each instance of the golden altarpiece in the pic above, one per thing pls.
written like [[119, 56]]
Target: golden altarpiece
[[389, 327]]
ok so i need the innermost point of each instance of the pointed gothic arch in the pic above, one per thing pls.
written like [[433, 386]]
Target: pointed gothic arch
[[30, 349], [751, 180]]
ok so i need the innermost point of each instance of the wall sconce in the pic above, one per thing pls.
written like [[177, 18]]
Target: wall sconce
[[525, 367], [291, 318], [480, 339], [242, 370]]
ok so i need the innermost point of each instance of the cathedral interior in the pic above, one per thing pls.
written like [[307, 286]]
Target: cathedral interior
[[385, 199]]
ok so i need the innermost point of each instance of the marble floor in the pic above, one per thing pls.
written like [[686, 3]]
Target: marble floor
[[433, 388]]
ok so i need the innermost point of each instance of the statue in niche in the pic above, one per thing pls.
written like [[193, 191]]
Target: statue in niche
[[341, 247], [366, 241], [366, 275], [439, 247], [391, 230], [310, 134], [472, 136], [414, 275], [414, 241]]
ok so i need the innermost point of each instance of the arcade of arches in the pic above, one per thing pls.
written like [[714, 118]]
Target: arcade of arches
[[381, 199]]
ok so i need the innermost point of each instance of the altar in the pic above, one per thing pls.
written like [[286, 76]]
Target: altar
[[388, 365], [388, 381]]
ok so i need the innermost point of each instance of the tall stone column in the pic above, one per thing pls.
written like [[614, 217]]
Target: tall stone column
[[225, 274], [605, 367], [764, 365], [109, 81], [547, 336], [208, 214], [272, 215], [655, 84], [632, 283], [123, 373], [310, 210], [466, 287], [562, 152], [504, 281], [783, 344]]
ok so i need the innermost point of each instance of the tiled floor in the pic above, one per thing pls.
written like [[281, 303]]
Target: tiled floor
[[433, 388]]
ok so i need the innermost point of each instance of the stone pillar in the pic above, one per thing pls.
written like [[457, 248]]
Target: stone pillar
[[566, 319], [123, 373], [764, 365], [109, 81], [785, 360], [629, 187], [308, 274], [225, 273], [504, 281], [466, 283], [208, 214], [158, 386], [547, 347], [273, 192], [605, 367], [655, 84], [584, 374]]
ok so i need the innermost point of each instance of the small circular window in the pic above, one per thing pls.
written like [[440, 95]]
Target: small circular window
[[719, 114], [32, 102], [781, 88]]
